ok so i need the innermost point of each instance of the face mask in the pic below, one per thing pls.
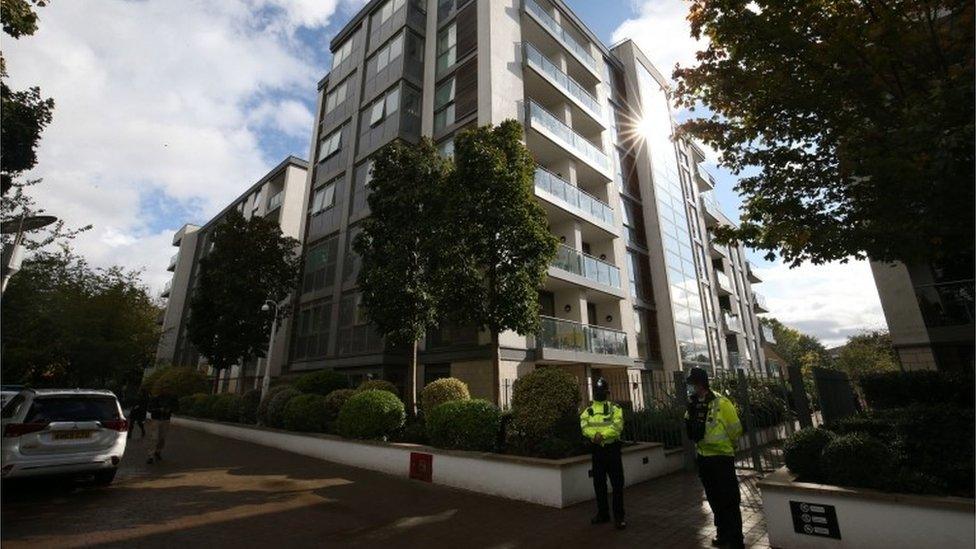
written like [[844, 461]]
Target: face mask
[[691, 391]]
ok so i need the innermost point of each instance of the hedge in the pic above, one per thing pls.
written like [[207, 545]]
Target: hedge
[[371, 414], [464, 425], [177, 382], [802, 451], [263, 406], [545, 407], [249, 406], [900, 389], [276, 406], [857, 460], [226, 407], [307, 413], [321, 382], [443, 390], [334, 402], [655, 424], [378, 385]]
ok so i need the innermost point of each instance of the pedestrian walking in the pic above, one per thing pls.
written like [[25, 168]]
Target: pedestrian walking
[[713, 424], [137, 416], [602, 423], [160, 410]]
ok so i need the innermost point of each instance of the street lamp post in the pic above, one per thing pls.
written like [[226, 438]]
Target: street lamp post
[[14, 255], [266, 382]]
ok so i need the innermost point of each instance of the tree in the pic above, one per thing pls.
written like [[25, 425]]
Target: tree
[[400, 245], [858, 115], [501, 245], [868, 352], [67, 324], [250, 262], [796, 348]]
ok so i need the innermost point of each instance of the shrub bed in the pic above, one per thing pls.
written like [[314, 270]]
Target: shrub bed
[[371, 414], [857, 460], [226, 407], [276, 406], [307, 413], [544, 420], [334, 402], [266, 401], [901, 389], [802, 451], [177, 382], [321, 382], [378, 385], [443, 390], [249, 406], [464, 425]]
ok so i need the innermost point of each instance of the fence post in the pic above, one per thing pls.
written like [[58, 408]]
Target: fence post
[[790, 425], [750, 429], [800, 397], [681, 394]]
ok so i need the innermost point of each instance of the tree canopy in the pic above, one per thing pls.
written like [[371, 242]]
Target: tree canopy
[[250, 262], [857, 117], [867, 353], [797, 348]]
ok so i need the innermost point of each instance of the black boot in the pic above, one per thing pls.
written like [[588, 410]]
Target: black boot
[[620, 524]]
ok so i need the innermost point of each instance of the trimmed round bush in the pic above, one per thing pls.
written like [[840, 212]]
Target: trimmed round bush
[[277, 404], [307, 413], [443, 390], [335, 400], [197, 405], [371, 414], [378, 385], [802, 450], [321, 382], [857, 460], [177, 382], [545, 404], [263, 406], [249, 406], [226, 407], [185, 404], [464, 425]]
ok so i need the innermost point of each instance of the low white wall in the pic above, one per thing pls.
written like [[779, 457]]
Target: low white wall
[[868, 518], [555, 483]]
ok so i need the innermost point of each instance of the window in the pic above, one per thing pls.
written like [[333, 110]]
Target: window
[[331, 144], [444, 104], [312, 331], [446, 47], [342, 53], [335, 97], [384, 14], [392, 50], [320, 265], [324, 197], [383, 107], [446, 148]]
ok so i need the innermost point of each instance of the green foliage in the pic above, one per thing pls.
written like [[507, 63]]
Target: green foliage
[[226, 323], [266, 401], [334, 402], [767, 399], [378, 385], [857, 460], [371, 414], [545, 404], [178, 381], [197, 405], [899, 389], [276, 406], [321, 382], [18, 17], [249, 406], [869, 352], [226, 407], [662, 424], [464, 425], [802, 451], [443, 390], [413, 432], [306, 413], [870, 98], [67, 324], [873, 426]]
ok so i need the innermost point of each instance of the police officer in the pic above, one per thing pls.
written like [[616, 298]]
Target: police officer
[[712, 422], [602, 424]]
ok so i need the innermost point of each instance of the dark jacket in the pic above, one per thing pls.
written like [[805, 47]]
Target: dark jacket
[[161, 408]]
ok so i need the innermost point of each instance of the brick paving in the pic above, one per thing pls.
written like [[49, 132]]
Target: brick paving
[[218, 492]]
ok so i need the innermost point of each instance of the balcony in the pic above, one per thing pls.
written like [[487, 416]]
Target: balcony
[[947, 304], [166, 289], [751, 273], [734, 360], [713, 212], [724, 284], [556, 131], [767, 334], [731, 322], [564, 83], [760, 302], [172, 262], [562, 340], [275, 200], [704, 179], [582, 269], [571, 198], [716, 250], [547, 22]]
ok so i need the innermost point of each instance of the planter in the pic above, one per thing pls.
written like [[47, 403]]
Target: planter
[[801, 515], [551, 482]]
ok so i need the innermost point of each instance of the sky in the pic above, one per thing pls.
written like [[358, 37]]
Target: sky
[[166, 110]]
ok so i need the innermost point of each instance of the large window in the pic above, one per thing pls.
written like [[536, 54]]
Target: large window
[[383, 107], [342, 53], [389, 52], [444, 104], [312, 330], [330, 144], [384, 14], [355, 334], [324, 197], [320, 265], [446, 47], [335, 97]]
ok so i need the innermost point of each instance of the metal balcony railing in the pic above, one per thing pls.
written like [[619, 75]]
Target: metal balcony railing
[[574, 142], [560, 33], [562, 80], [587, 266], [568, 335], [573, 197]]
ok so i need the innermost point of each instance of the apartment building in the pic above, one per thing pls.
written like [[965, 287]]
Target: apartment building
[[279, 195], [638, 286]]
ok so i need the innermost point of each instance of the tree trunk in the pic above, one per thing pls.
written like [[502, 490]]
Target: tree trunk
[[216, 383], [412, 383], [240, 380], [496, 364]]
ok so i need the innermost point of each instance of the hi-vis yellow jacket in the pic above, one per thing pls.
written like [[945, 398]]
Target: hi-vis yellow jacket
[[722, 428], [605, 418]]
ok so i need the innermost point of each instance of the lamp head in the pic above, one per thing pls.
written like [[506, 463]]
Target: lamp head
[[265, 307]]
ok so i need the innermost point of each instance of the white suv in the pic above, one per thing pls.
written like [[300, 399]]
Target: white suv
[[63, 431]]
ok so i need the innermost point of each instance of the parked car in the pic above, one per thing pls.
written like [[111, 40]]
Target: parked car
[[62, 431], [8, 392]]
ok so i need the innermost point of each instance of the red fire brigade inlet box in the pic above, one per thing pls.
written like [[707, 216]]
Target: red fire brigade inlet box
[[421, 466]]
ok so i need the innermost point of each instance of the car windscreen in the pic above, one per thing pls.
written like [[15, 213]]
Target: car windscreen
[[72, 408]]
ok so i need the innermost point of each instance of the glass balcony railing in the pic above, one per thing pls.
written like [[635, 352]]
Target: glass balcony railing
[[560, 33], [167, 288], [572, 196], [579, 145], [172, 260], [734, 360], [732, 322], [587, 266], [276, 200], [563, 80], [568, 335], [760, 301], [767, 333], [723, 281]]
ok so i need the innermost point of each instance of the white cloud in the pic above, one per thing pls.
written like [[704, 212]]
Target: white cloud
[[830, 301], [156, 98], [661, 30]]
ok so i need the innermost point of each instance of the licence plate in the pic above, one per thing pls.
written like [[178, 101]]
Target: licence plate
[[71, 435]]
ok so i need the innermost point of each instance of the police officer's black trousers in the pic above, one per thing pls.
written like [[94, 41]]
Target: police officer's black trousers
[[607, 462], [717, 475]]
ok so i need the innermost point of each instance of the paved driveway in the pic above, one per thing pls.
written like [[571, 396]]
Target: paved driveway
[[216, 492]]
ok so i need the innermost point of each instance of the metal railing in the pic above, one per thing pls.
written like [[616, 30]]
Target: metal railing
[[569, 335], [562, 80], [587, 266], [573, 141], [560, 33], [276, 200], [574, 197]]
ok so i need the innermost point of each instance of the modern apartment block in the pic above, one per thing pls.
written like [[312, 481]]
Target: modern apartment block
[[930, 312], [638, 285], [281, 195]]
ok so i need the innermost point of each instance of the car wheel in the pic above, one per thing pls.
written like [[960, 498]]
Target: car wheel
[[104, 478]]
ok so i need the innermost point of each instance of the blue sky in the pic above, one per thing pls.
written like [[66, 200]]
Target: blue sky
[[168, 109]]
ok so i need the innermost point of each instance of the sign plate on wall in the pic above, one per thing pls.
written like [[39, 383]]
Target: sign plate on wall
[[421, 466], [814, 519]]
